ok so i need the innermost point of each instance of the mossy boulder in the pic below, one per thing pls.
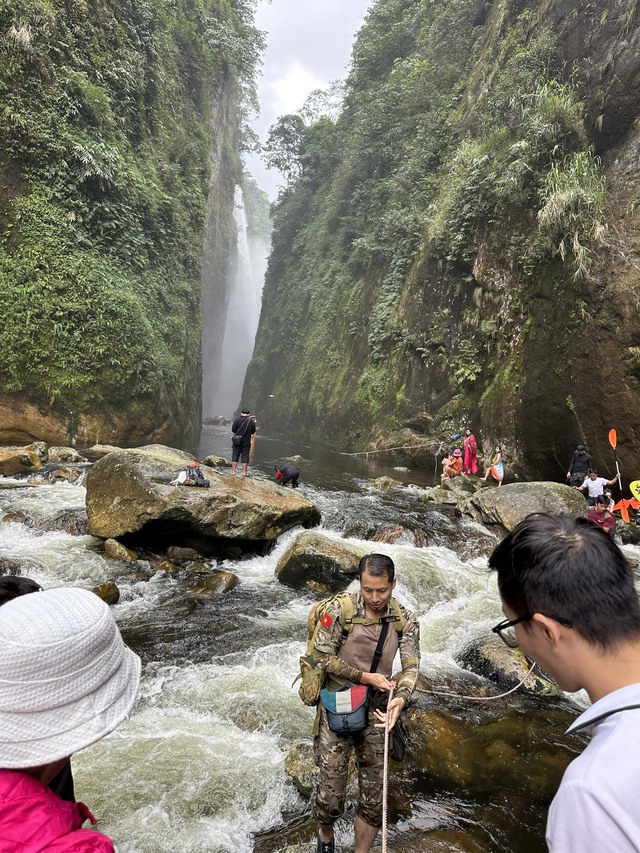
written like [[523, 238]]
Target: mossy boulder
[[314, 558], [131, 492], [506, 506]]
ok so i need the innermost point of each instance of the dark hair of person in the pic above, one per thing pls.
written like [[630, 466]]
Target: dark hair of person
[[568, 567], [13, 586], [601, 499], [378, 565], [592, 471]]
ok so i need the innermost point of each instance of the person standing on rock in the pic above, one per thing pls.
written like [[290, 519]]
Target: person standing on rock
[[242, 428], [579, 466], [570, 602], [496, 469], [350, 662], [470, 453]]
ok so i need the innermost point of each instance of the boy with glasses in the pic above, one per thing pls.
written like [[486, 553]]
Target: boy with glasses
[[571, 605]]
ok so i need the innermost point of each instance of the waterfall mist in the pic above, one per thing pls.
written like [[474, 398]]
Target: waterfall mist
[[243, 312]]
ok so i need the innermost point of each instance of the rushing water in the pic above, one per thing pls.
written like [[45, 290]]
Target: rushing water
[[199, 766]]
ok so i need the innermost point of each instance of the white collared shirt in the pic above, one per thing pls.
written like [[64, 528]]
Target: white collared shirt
[[597, 807]]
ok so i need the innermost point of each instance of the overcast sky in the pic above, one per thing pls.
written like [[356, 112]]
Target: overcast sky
[[308, 45]]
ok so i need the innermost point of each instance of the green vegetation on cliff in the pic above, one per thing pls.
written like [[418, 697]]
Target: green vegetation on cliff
[[424, 233], [107, 133]]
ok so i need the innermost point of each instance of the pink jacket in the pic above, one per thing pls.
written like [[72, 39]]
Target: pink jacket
[[33, 818]]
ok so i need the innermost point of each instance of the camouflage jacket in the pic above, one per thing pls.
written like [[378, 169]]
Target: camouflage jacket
[[329, 640]]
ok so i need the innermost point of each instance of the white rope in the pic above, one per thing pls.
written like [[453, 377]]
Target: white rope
[[476, 698], [385, 776]]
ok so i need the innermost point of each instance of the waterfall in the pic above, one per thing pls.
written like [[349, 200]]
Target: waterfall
[[243, 313]]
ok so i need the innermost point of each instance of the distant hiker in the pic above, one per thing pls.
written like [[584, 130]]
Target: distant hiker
[[287, 473], [243, 428], [365, 657], [571, 605], [452, 466], [496, 469], [579, 466], [594, 486], [66, 680], [601, 515], [470, 453]]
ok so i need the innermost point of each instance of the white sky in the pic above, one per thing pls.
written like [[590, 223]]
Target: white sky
[[308, 45]]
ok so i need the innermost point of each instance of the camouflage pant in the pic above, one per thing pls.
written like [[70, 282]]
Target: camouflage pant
[[332, 753]]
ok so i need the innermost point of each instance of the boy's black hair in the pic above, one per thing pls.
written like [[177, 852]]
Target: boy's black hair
[[378, 565], [568, 567], [13, 586]]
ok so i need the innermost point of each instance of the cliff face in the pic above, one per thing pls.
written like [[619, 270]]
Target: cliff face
[[119, 136], [461, 246]]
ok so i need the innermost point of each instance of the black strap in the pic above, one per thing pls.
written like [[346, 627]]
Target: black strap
[[378, 652]]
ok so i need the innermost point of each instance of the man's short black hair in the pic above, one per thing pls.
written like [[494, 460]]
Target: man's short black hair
[[569, 567], [378, 565], [13, 586]]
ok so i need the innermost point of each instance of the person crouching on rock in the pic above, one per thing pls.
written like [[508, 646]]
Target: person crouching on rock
[[66, 680], [287, 473], [453, 466]]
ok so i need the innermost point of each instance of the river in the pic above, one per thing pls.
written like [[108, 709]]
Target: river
[[199, 766]]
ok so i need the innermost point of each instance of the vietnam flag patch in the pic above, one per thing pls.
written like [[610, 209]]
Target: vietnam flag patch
[[327, 621]]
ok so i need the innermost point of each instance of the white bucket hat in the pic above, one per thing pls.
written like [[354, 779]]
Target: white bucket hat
[[66, 677]]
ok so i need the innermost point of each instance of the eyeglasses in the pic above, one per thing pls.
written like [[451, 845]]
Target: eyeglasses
[[506, 633]]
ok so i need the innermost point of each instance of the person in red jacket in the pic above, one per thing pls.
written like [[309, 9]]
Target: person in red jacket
[[601, 515], [66, 680]]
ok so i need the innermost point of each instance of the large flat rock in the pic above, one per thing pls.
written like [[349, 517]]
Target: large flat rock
[[506, 506], [128, 489]]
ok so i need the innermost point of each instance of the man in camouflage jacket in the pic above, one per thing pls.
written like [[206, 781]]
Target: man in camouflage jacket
[[348, 663]]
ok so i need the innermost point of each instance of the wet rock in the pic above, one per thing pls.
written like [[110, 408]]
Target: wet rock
[[167, 566], [384, 483], [452, 491], [108, 592], [394, 534], [72, 521], [67, 474], [487, 749], [216, 461], [130, 490], [183, 555], [117, 551], [216, 420], [629, 533], [19, 566], [65, 454], [491, 658], [20, 460], [97, 451], [300, 766], [508, 505], [214, 585], [319, 559]]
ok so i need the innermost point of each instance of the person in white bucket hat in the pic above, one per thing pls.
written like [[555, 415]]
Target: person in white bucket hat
[[66, 680]]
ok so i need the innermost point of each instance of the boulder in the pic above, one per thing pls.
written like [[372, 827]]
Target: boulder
[[117, 551], [216, 462], [216, 420], [131, 490], [215, 585], [67, 474], [314, 558], [506, 506], [65, 454], [108, 592], [384, 483], [491, 658], [452, 491], [20, 460], [394, 534]]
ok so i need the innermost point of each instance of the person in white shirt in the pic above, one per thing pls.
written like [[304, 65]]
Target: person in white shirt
[[571, 605], [595, 486]]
